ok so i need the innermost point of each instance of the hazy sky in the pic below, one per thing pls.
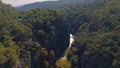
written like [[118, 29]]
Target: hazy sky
[[22, 2]]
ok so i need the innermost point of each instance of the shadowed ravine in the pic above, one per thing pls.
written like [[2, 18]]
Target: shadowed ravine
[[70, 44], [64, 58]]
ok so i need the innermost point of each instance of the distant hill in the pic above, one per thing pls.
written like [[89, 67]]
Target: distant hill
[[61, 4]]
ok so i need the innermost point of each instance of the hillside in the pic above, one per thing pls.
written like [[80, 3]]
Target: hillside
[[61, 4], [97, 36], [40, 38]]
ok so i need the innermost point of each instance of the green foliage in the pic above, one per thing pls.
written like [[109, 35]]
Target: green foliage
[[97, 36], [8, 57], [37, 38], [49, 27], [11, 32]]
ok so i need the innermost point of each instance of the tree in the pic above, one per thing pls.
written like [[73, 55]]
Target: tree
[[8, 57]]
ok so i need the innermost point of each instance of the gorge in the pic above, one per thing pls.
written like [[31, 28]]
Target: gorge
[[40, 38]]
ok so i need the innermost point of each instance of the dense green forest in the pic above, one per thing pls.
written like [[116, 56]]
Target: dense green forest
[[38, 38]]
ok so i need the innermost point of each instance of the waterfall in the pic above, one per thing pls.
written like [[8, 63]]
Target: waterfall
[[63, 59], [71, 40], [70, 44]]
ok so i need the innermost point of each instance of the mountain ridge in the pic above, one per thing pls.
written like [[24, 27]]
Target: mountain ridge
[[55, 4]]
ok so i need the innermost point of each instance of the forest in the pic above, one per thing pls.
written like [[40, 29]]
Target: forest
[[39, 37]]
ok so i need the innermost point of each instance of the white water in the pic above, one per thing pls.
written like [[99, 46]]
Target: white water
[[71, 40]]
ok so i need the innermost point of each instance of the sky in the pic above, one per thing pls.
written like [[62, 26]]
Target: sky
[[22, 2]]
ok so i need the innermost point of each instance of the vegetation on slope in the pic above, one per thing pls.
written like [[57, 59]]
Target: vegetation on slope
[[97, 36], [39, 37]]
